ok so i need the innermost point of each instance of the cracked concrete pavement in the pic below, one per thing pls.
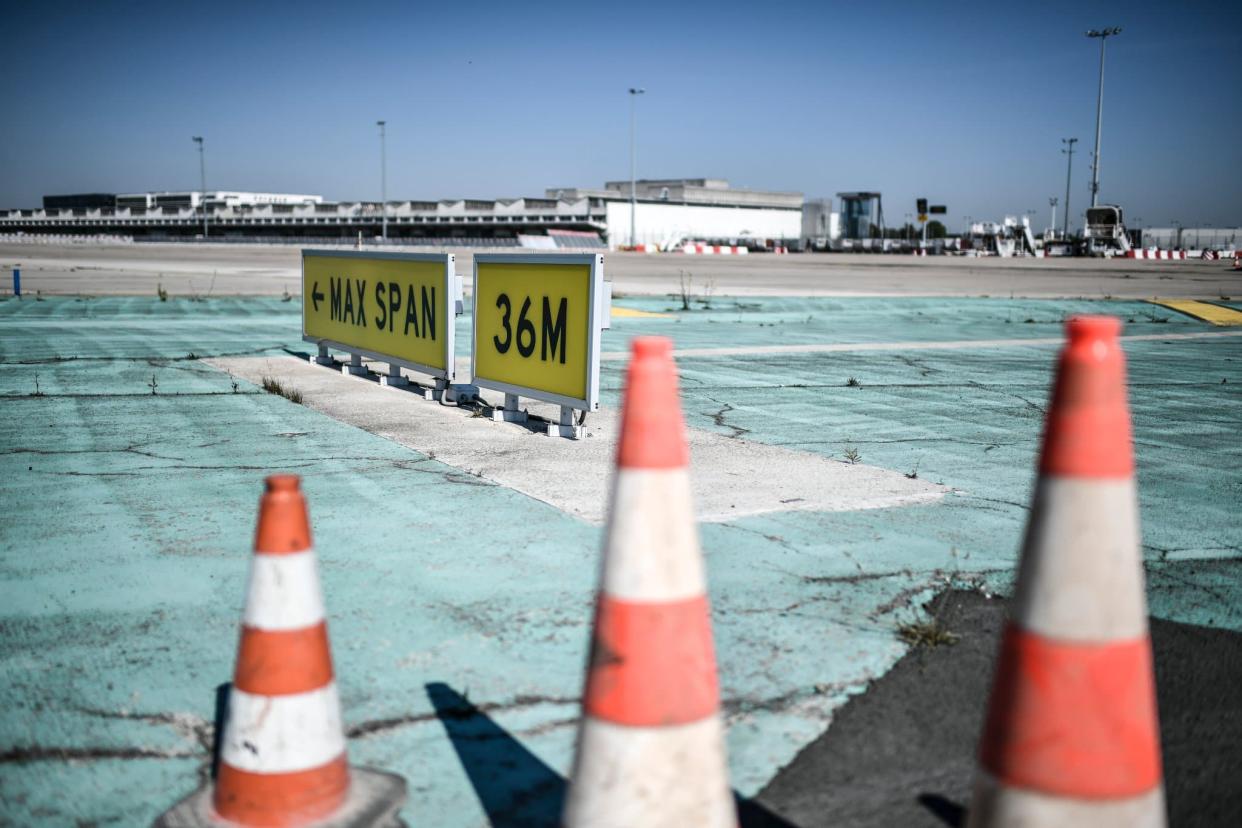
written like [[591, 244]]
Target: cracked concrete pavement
[[130, 514]]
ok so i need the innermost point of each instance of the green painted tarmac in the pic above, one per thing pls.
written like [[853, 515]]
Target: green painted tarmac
[[128, 519]]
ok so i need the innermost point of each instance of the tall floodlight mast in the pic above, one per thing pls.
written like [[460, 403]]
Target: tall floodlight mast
[[383, 180], [1103, 35], [1068, 150], [634, 93], [202, 181]]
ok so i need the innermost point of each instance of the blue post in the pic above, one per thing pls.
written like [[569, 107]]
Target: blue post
[[17, 282]]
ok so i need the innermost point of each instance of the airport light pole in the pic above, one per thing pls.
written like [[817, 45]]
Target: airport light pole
[[1103, 35], [202, 181], [383, 179], [1068, 150], [634, 93], [1052, 225]]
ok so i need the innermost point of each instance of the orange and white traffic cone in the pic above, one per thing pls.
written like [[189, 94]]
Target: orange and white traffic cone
[[282, 752], [651, 745], [1071, 736]]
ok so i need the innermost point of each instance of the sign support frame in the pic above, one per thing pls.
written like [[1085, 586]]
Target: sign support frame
[[597, 320], [451, 306]]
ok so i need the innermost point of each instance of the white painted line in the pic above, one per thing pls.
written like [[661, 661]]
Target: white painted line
[[836, 347]]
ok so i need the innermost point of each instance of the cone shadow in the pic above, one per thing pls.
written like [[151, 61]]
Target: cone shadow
[[513, 785], [223, 692], [750, 814], [944, 809]]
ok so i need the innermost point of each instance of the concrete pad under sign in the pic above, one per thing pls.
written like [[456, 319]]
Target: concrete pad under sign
[[733, 478]]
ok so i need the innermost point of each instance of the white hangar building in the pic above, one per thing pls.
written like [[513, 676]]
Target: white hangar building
[[666, 211], [669, 210]]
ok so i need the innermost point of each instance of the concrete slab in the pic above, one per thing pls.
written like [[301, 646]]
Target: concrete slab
[[732, 478]]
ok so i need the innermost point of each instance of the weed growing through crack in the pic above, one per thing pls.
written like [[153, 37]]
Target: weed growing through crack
[[853, 382], [685, 285], [273, 386], [928, 630], [925, 634], [286, 296], [1153, 318], [37, 392], [852, 455], [233, 382], [160, 292], [913, 474], [153, 385]]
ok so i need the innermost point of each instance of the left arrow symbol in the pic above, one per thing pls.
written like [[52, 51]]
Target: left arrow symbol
[[316, 296]]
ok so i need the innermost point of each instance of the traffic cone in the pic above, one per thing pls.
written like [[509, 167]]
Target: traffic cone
[[1071, 736], [650, 745], [282, 751]]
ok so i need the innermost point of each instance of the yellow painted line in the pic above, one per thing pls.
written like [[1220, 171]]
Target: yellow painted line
[[1216, 314], [630, 313]]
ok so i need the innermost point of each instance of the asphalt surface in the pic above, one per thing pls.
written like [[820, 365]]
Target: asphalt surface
[[903, 752], [187, 270]]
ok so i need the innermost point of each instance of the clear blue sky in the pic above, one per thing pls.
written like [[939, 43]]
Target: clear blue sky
[[963, 103]]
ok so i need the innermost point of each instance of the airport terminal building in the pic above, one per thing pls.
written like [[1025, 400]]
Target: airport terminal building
[[665, 212]]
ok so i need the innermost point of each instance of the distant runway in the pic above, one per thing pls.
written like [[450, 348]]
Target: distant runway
[[263, 270]]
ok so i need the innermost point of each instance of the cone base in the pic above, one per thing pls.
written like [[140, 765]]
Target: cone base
[[375, 799], [656, 777], [994, 805]]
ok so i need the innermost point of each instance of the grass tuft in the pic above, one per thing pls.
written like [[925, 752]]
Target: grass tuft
[[853, 382], [160, 292], [926, 634], [852, 455], [274, 386]]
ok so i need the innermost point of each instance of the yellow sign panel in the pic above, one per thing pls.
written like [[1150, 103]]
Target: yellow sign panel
[[536, 332], [398, 306]]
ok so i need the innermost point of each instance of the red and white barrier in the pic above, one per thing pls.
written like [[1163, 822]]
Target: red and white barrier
[[1209, 255], [714, 249], [1155, 254]]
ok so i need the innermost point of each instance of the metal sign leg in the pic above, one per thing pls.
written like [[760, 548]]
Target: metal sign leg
[[394, 378], [355, 366], [510, 413], [436, 393], [566, 427], [322, 358]]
